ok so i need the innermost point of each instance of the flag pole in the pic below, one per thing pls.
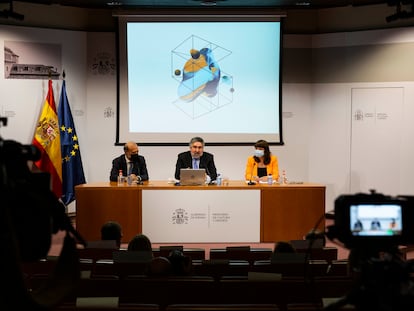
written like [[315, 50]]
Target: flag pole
[[72, 168]]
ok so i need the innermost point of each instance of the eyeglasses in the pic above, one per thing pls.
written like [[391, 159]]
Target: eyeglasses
[[197, 147]]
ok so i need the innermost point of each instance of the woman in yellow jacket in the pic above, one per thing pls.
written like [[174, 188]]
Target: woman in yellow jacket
[[261, 164]]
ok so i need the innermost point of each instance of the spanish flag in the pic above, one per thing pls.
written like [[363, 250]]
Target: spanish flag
[[47, 140]]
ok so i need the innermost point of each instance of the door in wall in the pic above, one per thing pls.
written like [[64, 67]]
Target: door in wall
[[376, 139]]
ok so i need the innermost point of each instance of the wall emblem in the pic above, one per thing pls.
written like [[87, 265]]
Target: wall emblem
[[103, 64]]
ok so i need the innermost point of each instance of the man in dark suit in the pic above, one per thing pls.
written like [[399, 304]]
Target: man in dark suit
[[131, 163], [196, 158]]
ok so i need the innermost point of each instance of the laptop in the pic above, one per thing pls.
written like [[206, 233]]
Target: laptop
[[192, 177]]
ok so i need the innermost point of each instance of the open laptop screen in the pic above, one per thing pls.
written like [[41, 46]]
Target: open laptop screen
[[192, 177]]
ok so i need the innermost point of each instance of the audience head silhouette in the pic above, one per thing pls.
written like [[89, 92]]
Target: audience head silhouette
[[315, 234], [159, 266], [112, 230], [140, 242], [284, 247], [180, 264]]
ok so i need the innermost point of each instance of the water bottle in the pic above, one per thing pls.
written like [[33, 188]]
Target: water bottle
[[219, 180], [270, 179], [284, 178], [120, 178]]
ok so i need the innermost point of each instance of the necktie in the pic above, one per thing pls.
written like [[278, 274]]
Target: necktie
[[130, 166], [195, 163]]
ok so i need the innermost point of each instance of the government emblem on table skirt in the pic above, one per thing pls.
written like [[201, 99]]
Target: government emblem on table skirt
[[180, 216]]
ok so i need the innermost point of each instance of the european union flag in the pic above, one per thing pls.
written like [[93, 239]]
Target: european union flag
[[72, 169]]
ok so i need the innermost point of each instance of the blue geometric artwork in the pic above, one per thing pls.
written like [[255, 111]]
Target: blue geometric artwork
[[202, 84]]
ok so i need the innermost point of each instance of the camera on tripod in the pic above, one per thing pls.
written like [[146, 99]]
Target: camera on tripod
[[373, 226], [30, 214], [30, 210], [373, 221]]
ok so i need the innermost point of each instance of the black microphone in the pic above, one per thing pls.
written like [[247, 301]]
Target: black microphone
[[251, 183], [139, 180], [207, 172]]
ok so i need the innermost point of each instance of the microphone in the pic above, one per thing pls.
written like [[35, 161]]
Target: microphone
[[139, 180], [251, 183], [207, 172]]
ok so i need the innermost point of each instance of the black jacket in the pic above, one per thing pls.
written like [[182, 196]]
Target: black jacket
[[139, 168], [185, 160]]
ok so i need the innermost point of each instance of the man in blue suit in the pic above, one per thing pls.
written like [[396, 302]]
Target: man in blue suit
[[196, 158]]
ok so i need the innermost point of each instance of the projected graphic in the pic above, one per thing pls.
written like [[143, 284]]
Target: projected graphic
[[213, 78], [203, 86], [201, 74]]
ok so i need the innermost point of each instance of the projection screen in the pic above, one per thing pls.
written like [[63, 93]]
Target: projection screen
[[217, 77]]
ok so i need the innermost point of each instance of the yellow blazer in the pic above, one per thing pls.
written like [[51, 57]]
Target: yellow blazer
[[251, 168]]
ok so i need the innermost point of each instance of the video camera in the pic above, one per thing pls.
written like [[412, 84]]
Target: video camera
[[373, 221], [35, 213], [30, 214], [373, 226]]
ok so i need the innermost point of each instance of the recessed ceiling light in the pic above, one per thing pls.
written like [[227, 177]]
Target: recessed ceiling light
[[114, 3], [209, 2], [303, 3]]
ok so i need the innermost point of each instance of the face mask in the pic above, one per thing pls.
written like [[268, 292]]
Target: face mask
[[134, 157], [259, 153]]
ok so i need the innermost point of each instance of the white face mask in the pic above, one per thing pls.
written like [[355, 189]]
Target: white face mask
[[259, 153]]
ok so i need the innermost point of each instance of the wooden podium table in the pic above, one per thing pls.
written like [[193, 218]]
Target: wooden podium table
[[287, 212]]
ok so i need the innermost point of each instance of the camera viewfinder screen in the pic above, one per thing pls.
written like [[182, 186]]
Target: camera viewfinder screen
[[375, 219]]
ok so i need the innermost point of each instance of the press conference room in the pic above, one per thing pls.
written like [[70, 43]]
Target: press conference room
[[342, 124]]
